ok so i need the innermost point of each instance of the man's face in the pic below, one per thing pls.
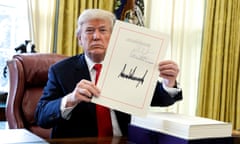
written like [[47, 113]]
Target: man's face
[[94, 38]]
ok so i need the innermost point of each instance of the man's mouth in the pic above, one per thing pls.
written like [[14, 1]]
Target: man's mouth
[[97, 46]]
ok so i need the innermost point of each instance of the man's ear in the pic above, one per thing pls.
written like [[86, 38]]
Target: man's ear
[[79, 40]]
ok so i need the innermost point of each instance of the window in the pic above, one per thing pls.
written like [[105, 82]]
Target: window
[[14, 30]]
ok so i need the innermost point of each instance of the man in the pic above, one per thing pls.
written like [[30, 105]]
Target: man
[[65, 104]]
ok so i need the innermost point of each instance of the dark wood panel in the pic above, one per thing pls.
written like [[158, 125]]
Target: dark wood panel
[[3, 97], [2, 114], [90, 140]]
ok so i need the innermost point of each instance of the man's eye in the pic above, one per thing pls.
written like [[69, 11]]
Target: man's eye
[[103, 30], [89, 30]]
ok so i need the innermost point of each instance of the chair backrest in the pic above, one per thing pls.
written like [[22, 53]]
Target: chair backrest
[[28, 74]]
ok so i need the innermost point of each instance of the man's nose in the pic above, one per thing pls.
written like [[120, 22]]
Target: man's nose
[[96, 35]]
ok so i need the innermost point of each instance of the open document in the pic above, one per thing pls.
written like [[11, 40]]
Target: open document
[[130, 69]]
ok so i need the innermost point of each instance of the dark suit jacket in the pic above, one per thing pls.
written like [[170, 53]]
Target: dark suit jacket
[[62, 80]]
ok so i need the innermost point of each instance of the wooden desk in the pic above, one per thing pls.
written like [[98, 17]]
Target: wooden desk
[[90, 140], [236, 136], [106, 140], [236, 133], [20, 136]]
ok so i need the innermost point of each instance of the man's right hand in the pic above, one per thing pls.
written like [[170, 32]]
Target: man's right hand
[[84, 91]]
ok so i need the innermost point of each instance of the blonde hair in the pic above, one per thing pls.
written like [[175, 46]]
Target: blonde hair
[[90, 14]]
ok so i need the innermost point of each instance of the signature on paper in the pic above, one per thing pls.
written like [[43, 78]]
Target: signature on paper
[[131, 75]]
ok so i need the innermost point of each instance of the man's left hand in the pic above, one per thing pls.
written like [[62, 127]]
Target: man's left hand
[[169, 71]]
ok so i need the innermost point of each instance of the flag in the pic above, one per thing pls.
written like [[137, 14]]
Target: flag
[[131, 11], [139, 12]]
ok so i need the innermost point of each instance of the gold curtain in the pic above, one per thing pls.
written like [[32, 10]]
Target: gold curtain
[[219, 83], [41, 21], [69, 10]]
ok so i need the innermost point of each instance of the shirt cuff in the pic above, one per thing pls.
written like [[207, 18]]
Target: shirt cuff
[[172, 91], [65, 112]]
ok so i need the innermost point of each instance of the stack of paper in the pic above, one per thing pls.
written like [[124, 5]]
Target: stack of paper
[[183, 126]]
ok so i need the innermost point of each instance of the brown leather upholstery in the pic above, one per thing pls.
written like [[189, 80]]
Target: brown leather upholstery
[[27, 77]]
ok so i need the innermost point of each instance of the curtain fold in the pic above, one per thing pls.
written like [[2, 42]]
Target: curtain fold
[[219, 87], [182, 20], [41, 20], [69, 10]]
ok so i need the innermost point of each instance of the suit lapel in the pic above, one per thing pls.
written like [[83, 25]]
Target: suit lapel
[[81, 69], [82, 72]]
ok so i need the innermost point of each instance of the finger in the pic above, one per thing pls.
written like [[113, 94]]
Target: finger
[[80, 95], [168, 66], [88, 88], [168, 76], [169, 71], [84, 92], [85, 98], [166, 62], [171, 68]]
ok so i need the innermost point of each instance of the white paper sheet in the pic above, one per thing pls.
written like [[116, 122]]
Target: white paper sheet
[[130, 69], [19, 136]]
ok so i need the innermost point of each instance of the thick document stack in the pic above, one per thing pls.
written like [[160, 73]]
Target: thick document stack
[[180, 128]]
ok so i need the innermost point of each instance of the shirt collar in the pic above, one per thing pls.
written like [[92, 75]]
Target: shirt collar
[[90, 63]]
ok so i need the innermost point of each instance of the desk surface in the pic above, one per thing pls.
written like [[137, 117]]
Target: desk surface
[[90, 140], [106, 140], [18, 136]]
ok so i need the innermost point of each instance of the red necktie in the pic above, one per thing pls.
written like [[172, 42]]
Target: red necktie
[[103, 113]]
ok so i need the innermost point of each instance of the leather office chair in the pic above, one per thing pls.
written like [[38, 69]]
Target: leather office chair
[[28, 74]]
